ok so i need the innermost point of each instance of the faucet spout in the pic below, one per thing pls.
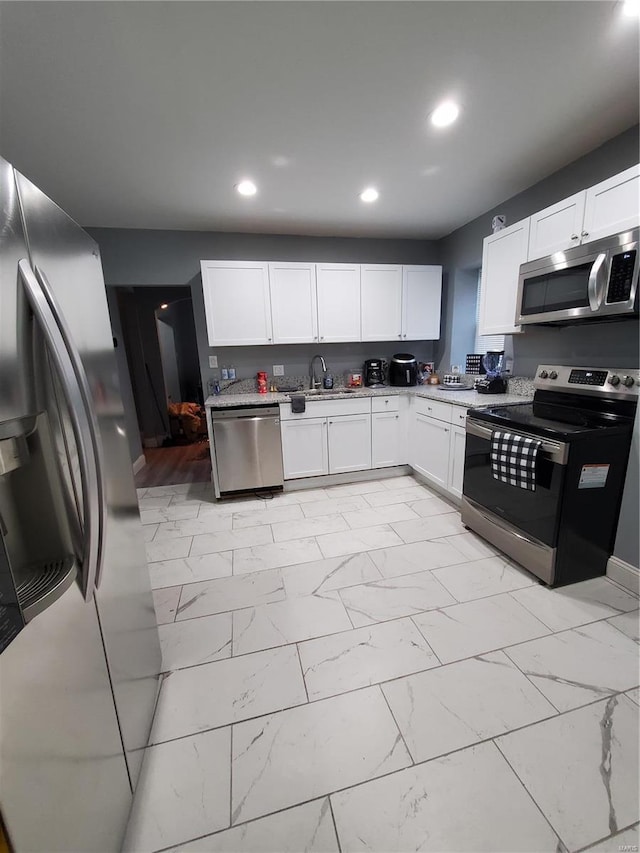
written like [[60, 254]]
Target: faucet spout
[[314, 381]]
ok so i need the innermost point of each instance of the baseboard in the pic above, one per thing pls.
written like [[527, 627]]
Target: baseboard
[[624, 574], [344, 479], [139, 464]]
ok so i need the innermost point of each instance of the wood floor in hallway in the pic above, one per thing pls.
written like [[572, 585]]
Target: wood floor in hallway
[[168, 466]]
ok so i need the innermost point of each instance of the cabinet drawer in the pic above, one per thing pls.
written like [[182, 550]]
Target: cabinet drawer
[[433, 408], [327, 409], [458, 415], [385, 404]]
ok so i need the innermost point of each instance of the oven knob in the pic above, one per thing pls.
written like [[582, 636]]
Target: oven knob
[[628, 381], [614, 380], [553, 375], [543, 374]]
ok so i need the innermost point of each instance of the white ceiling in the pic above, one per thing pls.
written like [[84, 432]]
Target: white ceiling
[[144, 115]]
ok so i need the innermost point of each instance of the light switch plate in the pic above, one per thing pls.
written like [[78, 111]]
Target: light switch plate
[[213, 361], [278, 369]]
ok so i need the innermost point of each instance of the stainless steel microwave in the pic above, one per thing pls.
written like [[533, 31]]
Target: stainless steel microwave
[[595, 281]]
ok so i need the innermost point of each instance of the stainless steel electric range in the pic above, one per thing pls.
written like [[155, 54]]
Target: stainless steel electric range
[[562, 529]]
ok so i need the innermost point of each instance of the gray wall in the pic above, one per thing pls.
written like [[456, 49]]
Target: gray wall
[[461, 257], [148, 258]]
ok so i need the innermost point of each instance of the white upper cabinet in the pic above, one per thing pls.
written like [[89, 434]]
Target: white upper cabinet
[[236, 301], [502, 255], [421, 297], [612, 206], [293, 303], [381, 289], [338, 302], [557, 228]]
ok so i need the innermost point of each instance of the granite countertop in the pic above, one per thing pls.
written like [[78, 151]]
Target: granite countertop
[[466, 399]]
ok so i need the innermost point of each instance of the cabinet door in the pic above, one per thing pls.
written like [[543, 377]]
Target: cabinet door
[[236, 302], [430, 443], [386, 440], [456, 460], [612, 206], [502, 255], [293, 303], [304, 448], [381, 289], [421, 297], [349, 443], [557, 227], [338, 302]]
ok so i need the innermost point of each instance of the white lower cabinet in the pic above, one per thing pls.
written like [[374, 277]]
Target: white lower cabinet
[[304, 448], [386, 440], [430, 441], [456, 460], [349, 443]]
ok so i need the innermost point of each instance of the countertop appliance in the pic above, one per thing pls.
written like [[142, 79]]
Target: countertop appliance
[[248, 448], [80, 655], [595, 281], [373, 373], [563, 531], [403, 370], [493, 382]]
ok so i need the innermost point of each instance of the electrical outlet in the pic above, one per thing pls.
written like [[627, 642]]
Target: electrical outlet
[[213, 361], [278, 369]]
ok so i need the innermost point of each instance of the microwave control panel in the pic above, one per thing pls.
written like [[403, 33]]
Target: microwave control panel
[[621, 277]]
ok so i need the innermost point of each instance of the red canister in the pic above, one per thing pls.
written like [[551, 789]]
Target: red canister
[[262, 382]]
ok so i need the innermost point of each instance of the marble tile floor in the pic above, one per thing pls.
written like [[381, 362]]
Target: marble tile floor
[[349, 669]]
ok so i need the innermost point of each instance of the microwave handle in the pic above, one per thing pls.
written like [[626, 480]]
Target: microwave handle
[[594, 292]]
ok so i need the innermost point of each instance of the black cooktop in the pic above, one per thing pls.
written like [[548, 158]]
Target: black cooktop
[[556, 422]]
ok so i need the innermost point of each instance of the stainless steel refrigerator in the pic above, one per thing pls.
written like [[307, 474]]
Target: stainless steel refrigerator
[[80, 659]]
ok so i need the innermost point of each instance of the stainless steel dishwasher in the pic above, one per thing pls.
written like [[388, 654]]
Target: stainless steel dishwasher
[[248, 448]]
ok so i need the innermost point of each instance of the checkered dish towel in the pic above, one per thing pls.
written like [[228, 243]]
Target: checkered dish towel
[[513, 459]]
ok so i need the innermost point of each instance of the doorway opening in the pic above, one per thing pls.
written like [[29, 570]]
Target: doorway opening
[[159, 336]]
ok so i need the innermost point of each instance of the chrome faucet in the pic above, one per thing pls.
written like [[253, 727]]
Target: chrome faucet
[[314, 381]]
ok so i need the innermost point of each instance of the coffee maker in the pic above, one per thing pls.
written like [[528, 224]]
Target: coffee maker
[[374, 373]]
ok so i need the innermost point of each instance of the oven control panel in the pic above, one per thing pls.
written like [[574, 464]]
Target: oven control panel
[[617, 383]]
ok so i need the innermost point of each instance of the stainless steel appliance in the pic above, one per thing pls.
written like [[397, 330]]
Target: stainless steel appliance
[[564, 529], [248, 448], [373, 373], [493, 382], [595, 281], [403, 370], [80, 662]]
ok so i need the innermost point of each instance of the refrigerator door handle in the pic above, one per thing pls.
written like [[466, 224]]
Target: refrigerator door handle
[[75, 387]]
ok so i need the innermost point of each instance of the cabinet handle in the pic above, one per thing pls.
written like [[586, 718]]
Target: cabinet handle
[[397, 417], [584, 234], [268, 339], [400, 335], [331, 423], [321, 337], [404, 336], [574, 237], [446, 430]]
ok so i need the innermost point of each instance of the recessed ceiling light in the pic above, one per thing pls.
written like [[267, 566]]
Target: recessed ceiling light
[[369, 195], [444, 114], [164, 305], [631, 8], [247, 188]]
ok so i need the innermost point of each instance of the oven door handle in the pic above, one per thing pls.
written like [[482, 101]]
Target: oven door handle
[[594, 292], [555, 451]]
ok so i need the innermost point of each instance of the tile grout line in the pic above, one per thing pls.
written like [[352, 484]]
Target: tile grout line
[[527, 791], [380, 684], [386, 622], [335, 825], [610, 837], [400, 732], [532, 683], [230, 776]]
